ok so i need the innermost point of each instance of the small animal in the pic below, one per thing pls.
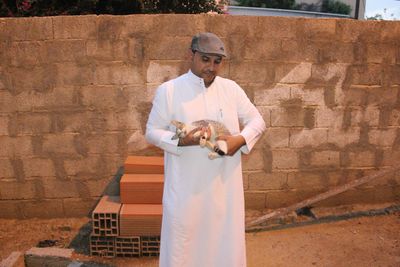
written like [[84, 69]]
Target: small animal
[[218, 147]]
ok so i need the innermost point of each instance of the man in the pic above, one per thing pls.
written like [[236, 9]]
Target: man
[[203, 202]]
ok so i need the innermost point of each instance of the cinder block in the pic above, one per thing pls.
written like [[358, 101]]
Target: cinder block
[[66, 51], [161, 71], [29, 124], [267, 181], [59, 97], [289, 116], [57, 188], [118, 73], [262, 49], [10, 209], [254, 200], [124, 27], [59, 144], [150, 246], [127, 246], [276, 24], [293, 73], [103, 246], [369, 115], [272, 96], [380, 137], [299, 50], [128, 119], [38, 167], [110, 143], [78, 207], [362, 159], [106, 49], [142, 188], [243, 72], [38, 77], [371, 74], [82, 27], [106, 217], [7, 101], [319, 29], [6, 169], [342, 138], [15, 146], [144, 165], [253, 161], [381, 53], [325, 159], [285, 159], [182, 25], [17, 190], [42, 208], [140, 220], [73, 74], [27, 29], [277, 137], [313, 96], [305, 137], [26, 53], [309, 180], [174, 48]]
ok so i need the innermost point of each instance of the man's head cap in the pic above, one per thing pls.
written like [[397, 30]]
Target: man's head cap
[[208, 43]]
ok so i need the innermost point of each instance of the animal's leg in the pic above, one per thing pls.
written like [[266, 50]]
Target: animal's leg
[[203, 140], [213, 155]]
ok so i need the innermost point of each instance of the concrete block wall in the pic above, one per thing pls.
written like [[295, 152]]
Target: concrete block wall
[[74, 90]]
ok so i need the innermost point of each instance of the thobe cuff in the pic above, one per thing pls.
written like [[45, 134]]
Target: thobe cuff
[[250, 137]]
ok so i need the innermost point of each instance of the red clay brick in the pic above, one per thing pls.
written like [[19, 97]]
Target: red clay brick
[[150, 246], [140, 219], [140, 164], [142, 188], [103, 246], [127, 246], [105, 216]]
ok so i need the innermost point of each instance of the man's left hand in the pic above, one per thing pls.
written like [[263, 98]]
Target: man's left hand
[[233, 142]]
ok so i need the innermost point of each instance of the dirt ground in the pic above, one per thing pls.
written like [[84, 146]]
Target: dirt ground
[[357, 241]]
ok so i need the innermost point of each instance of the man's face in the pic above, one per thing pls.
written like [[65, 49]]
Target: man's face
[[206, 66]]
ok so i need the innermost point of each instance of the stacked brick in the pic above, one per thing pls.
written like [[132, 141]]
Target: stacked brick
[[129, 225]]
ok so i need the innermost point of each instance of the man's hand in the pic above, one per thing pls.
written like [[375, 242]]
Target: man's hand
[[193, 138], [233, 142]]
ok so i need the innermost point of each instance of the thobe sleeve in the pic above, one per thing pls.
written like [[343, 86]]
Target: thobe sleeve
[[250, 118], [157, 127]]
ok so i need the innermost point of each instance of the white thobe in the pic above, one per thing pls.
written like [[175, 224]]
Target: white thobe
[[203, 201]]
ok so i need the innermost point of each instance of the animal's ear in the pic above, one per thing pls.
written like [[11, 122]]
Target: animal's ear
[[174, 122]]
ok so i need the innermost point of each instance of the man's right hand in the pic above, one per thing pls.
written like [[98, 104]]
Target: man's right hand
[[192, 139]]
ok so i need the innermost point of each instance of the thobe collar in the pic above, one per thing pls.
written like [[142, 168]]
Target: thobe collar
[[198, 80]]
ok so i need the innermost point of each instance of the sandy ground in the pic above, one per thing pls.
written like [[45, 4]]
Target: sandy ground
[[360, 241]]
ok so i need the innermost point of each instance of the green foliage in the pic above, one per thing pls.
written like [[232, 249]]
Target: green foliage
[[336, 7], [329, 6], [27, 8], [180, 6], [376, 17], [284, 4]]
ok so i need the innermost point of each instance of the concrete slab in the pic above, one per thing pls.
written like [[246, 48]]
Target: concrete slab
[[39, 257], [15, 259]]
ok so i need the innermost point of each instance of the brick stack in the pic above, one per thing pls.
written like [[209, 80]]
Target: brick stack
[[130, 225]]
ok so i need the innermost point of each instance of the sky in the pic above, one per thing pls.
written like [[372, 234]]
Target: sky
[[374, 7]]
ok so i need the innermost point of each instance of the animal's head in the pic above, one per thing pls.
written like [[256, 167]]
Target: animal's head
[[181, 129]]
